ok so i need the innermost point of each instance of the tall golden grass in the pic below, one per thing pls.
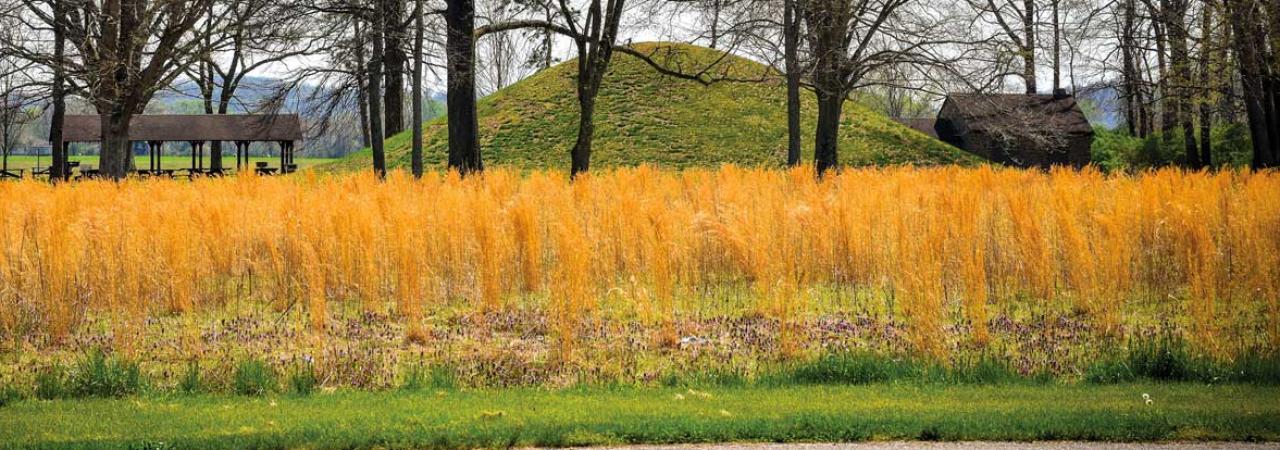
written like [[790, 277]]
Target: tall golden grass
[[947, 244]]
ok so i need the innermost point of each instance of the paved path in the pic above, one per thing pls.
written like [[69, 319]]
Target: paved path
[[971, 445]]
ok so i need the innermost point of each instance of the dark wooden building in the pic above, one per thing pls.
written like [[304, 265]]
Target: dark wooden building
[[240, 129], [1018, 129]]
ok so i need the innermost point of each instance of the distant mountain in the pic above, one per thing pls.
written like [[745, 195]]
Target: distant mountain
[[1101, 104]]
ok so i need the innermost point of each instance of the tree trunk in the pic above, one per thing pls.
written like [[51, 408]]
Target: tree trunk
[[1243, 17], [394, 61], [581, 154], [1271, 98], [1029, 50], [1181, 93], [416, 152], [1207, 85], [116, 153], [362, 81], [1057, 49], [464, 130], [715, 23], [1165, 98], [58, 171], [591, 67], [827, 136], [375, 99], [791, 42]]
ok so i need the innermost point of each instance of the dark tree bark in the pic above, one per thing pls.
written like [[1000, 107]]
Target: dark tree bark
[[1181, 94], [1029, 49], [1165, 98], [1135, 102], [1256, 93], [715, 22], [1057, 48], [827, 136], [1206, 84], [362, 80], [415, 157], [580, 155], [58, 172], [375, 97], [394, 62], [464, 129], [791, 44], [116, 156]]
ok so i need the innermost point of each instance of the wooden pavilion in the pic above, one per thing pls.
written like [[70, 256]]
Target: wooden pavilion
[[155, 130]]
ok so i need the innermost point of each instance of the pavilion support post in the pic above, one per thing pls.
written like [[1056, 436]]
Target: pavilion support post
[[284, 152], [155, 155], [197, 156], [243, 149]]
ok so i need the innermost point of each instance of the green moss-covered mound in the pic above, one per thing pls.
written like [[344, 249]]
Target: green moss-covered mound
[[643, 116]]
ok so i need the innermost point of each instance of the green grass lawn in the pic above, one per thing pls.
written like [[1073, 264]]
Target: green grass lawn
[[166, 162], [597, 416]]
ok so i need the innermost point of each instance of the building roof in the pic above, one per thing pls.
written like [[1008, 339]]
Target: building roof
[[204, 127], [1019, 112], [923, 125]]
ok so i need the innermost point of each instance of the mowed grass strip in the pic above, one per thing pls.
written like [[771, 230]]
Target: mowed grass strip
[[596, 416]]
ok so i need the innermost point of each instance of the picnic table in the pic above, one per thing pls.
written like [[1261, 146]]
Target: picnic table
[[157, 172], [200, 172], [12, 174]]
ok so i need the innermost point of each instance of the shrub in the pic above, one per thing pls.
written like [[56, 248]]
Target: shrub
[[853, 368], [985, 369], [1109, 371], [1254, 367], [191, 381], [719, 377], [1167, 357], [100, 376], [9, 395], [303, 380], [419, 377], [1164, 358], [51, 384], [254, 377]]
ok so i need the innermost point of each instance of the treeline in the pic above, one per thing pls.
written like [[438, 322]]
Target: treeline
[[1177, 65]]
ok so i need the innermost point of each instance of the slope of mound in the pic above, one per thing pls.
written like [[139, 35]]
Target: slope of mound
[[643, 116]]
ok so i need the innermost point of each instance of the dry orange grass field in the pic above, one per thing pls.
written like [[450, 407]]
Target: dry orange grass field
[[623, 273]]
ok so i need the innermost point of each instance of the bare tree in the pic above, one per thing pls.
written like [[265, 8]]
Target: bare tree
[[1258, 74], [394, 62], [376, 125], [18, 94], [126, 50], [850, 39], [243, 37], [1018, 22]]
